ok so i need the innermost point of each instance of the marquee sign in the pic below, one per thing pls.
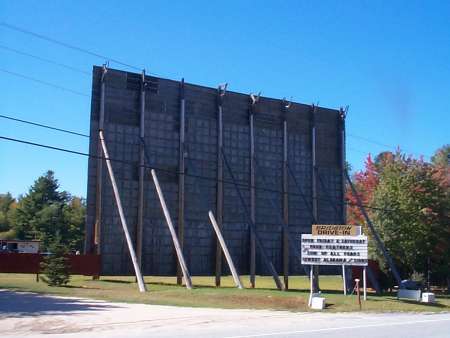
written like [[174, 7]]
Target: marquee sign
[[336, 230], [334, 250]]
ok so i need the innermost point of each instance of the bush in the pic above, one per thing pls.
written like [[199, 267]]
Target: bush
[[55, 266]]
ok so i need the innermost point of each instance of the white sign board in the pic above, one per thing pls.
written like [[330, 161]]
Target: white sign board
[[334, 250]]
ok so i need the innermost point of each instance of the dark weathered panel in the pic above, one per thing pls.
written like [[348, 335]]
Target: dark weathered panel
[[162, 113]]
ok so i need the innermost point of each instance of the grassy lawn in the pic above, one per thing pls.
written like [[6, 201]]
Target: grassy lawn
[[164, 291]]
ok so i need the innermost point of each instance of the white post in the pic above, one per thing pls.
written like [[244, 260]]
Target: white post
[[344, 280], [311, 275], [123, 221], [184, 269], [364, 283], [236, 278]]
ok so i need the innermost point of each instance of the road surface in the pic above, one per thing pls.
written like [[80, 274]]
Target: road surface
[[32, 315]]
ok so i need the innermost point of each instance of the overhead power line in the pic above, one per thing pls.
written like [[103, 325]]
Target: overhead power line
[[43, 125], [44, 60], [362, 138], [107, 58], [44, 82], [86, 135], [369, 140], [171, 172], [67, 45]]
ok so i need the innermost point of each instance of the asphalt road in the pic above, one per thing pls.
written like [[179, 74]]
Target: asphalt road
[[32, 315]]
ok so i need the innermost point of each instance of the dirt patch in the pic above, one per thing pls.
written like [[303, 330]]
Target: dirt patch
[[263, 302]]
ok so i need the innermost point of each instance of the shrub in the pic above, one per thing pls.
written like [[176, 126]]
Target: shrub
[[55, 266]]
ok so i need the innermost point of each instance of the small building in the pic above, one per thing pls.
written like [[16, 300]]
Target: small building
[[19, 246]]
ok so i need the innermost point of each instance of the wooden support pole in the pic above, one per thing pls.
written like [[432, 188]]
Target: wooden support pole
[[252, 203], [342, 115], [140, 221], [315, 204], [96, 248], [123, 221], [181, 177], [341, 129], [219, 192], [364, 283], [176, 243], [285, 200], [234, 273]]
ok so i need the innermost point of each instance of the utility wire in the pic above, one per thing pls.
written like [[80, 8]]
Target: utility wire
[[379, 144], [85, 135], [43, 125], [369, 140], [44, 82], [67, 45], [301, 194], [171, 172], [44, 60], [104, 57]]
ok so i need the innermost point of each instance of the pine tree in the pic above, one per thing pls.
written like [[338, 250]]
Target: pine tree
[[46, 211], [55, 266]]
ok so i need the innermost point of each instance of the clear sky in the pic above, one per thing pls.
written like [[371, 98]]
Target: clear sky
[[388, 60]]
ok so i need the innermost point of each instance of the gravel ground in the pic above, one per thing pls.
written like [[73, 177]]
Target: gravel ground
[[33, 315]]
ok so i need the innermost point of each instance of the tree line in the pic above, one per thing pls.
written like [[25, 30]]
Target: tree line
[[44, 213]]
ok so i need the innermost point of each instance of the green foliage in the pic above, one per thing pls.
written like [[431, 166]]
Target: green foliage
[[7, 206], [9, 234], [412, 214], [45, 212], [409, 203], [55, 266], [440, 158]]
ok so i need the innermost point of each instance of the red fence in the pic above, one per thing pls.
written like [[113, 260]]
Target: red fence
[[88, 265], [357, 272]]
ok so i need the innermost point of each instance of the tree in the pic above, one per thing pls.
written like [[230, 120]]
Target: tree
[[30, 210], [408, 201], [365, 182], [411, 213], [55, 266], [7, 206], [74, 219], [440, 157], [46, 212]]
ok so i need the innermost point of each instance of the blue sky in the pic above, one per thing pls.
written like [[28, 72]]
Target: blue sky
[[388, 60]]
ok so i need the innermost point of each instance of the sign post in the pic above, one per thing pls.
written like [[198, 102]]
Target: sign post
[[364, 283], [311, 279], [344, 280]]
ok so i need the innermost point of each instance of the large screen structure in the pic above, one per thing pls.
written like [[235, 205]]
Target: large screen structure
[[285, 159]]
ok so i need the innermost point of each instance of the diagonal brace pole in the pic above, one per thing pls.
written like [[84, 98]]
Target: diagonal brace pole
[[123, 221], [374, 232], [176, 243], [258, 241], [236, 278], [292, 244]]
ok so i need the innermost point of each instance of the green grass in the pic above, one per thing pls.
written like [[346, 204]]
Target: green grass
[[164, 291]]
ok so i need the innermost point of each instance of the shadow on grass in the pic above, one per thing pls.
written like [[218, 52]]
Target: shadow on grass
[[407, 301], [26, 304], [118, 281]]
